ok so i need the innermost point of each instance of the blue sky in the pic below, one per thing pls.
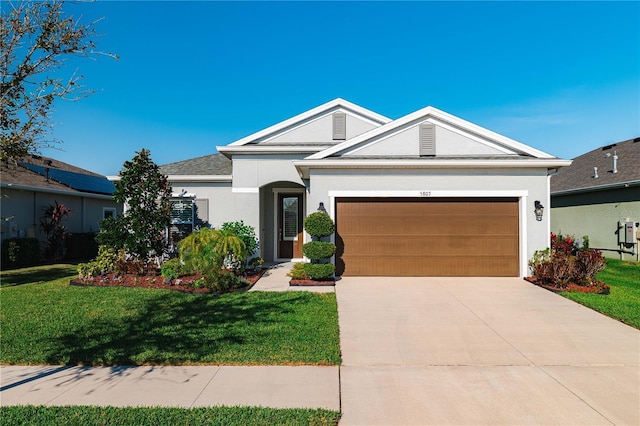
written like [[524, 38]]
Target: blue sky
[[563, 77]]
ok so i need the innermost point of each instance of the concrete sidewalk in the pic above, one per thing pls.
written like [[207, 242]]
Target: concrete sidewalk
[[188, 386], [184, 386], [276, 279]]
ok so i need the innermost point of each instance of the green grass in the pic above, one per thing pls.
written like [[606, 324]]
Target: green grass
[[50, 322], [623, 303], [228, 416]]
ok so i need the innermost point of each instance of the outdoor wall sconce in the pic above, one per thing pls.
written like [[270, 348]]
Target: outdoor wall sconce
[[539, 209], [321, 207]]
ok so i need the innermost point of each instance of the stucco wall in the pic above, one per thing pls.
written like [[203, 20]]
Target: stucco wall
[[532, 182], [587, 214], [25, 208], [320, 130], [219, 196], [407, 143]]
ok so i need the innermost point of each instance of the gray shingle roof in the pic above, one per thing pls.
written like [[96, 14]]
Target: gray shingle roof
[[580, 175], [214, 164]]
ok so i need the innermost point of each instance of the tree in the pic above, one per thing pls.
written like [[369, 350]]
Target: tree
[[51, 224], [145, 193], [37, 38]]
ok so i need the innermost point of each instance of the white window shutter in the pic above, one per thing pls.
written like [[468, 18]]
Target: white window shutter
[[427, 139], [339, 126]]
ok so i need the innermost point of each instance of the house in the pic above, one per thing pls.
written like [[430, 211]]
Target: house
[[36, 182], [427, 194], [599, 196]]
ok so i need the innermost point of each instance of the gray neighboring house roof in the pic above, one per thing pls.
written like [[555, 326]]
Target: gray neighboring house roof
[[581, 177], [208, 165]]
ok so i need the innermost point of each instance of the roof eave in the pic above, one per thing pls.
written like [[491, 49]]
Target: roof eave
[[303, 166], [70, 192], [597, 188]]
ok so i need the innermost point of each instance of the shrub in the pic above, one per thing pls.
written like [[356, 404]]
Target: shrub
[[315, 250], [319, 224], [587, 264], [223, 281], [81, 246], [297, 272], [19, 252], [171, 269], [319, 271], [566, 266], [105, 262], [246, 233]]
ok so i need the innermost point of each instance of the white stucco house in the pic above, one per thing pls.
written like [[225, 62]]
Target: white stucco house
[[427, 194]]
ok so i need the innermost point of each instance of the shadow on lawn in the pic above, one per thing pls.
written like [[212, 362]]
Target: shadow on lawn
[[178, 329], [36, 275]]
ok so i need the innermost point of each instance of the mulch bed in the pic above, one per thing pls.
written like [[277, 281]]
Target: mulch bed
[[312, 283], [155, 281], [574, 288]]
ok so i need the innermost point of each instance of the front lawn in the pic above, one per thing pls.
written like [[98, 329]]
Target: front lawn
[[623, 303], [228, 416], [47, 321]]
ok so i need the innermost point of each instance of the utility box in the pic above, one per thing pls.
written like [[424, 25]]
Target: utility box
[[630, 232]]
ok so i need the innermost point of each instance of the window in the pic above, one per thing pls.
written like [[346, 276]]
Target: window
[[182, 219], [108, 212], [290, 218]]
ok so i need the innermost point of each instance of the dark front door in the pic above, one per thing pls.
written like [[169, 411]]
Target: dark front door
[[290, 226]]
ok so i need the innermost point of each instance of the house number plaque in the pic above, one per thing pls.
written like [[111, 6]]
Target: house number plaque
[[425, 193]]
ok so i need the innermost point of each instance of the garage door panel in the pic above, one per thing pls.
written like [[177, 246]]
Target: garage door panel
[[443, 225], [434, 237], [431, 246], [462, 266]]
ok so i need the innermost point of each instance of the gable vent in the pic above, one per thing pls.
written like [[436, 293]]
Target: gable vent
[[339, 126], [427, 139]]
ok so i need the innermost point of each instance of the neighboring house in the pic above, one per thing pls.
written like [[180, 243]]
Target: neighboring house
[[599, 196], [426, 194], [34, 183]]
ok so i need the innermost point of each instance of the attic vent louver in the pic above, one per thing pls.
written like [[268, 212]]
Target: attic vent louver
[[339, 126], [427, 139]]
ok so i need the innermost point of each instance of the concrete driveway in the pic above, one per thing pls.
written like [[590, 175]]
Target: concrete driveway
[[470, 351]]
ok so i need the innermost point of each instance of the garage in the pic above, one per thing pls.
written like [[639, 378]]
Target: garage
[[427, 237]]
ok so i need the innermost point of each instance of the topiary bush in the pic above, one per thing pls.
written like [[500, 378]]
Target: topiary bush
[[20, 252], [317, 250], [319, 224], [319, 271]]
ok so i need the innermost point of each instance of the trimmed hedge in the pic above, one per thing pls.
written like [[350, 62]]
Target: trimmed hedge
[[319, 271], [319, 224], [20, 252], [81, 246], [315, 250]]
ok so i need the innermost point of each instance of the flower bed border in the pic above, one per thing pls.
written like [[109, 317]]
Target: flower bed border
[[312, 283], [572, 288]]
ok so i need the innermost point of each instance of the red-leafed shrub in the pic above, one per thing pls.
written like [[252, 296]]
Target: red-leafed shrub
[[567, 267]]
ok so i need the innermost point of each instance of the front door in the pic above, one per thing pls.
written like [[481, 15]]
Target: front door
[[290, 226]]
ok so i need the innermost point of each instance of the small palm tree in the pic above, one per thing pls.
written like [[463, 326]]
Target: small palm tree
[[207, 250]]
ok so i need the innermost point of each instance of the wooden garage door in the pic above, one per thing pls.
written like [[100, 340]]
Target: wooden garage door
[[427, 237]]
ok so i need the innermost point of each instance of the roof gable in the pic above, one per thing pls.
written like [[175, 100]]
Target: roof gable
[[581, 175], [454, 137], [314, 127]]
